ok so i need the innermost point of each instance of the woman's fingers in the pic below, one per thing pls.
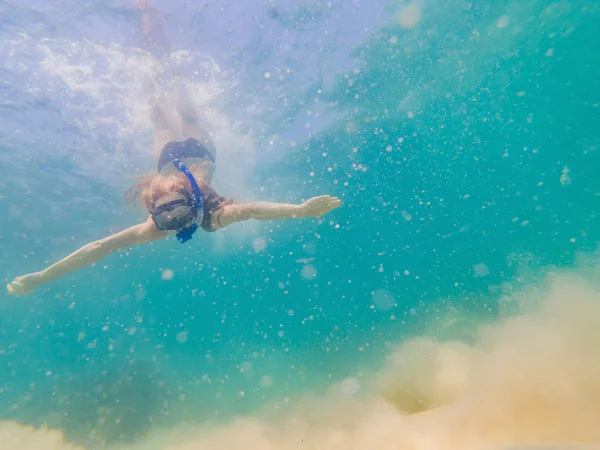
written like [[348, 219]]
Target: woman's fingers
[[331, 199], [334, 202]]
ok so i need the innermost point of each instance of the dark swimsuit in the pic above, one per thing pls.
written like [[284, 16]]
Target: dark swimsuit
[[192, 148]]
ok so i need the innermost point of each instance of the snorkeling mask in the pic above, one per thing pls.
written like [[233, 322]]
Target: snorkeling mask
[[179, 214]]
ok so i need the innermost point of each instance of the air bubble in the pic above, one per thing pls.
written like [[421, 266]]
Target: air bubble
[[182, 337], [383, 299], [309, 272]]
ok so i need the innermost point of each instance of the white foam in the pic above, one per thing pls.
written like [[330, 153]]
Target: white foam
[[103, 92]]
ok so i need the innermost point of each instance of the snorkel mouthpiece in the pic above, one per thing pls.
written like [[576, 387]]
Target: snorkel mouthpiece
[[185, 234]]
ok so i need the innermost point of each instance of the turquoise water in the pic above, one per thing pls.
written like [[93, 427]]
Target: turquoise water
[[462, 138]]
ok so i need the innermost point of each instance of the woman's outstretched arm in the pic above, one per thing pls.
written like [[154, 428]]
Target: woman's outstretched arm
[[314, 207], [87, 255]]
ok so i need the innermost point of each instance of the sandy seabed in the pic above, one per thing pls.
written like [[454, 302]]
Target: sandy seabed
[[532, 378]]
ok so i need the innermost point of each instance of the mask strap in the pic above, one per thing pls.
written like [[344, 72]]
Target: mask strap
[[195, 188]]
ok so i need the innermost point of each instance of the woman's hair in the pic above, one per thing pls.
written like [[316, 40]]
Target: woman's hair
[[152, 186]]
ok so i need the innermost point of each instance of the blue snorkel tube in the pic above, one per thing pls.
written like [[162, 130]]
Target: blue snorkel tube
[[185, 234]]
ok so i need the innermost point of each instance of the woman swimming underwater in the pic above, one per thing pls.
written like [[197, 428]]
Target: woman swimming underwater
[[179, 197]]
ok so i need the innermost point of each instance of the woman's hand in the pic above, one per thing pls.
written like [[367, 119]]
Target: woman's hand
[[24, 285], [318, 206]]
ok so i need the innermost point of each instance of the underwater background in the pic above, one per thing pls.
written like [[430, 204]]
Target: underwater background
[[458, 279]]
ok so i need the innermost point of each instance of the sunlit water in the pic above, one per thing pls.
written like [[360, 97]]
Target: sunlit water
[[463, 140]]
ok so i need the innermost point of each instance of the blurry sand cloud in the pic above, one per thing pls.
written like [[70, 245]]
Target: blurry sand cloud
[[532, 378]]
